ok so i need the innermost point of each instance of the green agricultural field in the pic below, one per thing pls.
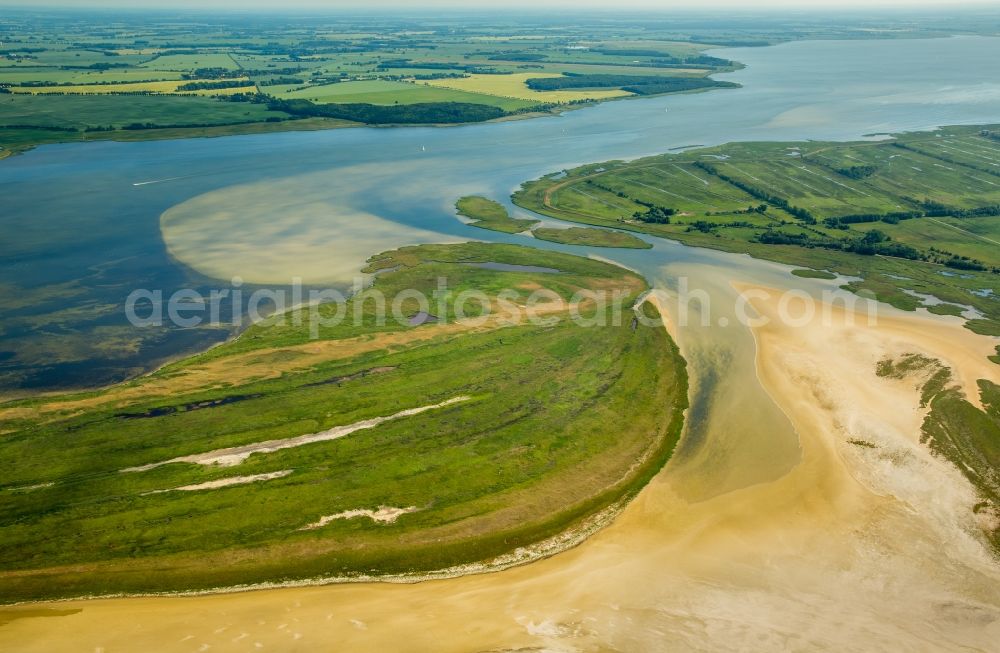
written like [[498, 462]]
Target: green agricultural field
[[899, 219], [662, 47], [103, 89], [514, 85], [82, 111], [191, 61], [969, 150], [59, 56], [26, 120], [16, 76], [605, 69], [683, 186], [452, 77], [386, 92], [507, 441]]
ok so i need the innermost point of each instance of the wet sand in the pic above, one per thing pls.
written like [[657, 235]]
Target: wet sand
[[849, 547]]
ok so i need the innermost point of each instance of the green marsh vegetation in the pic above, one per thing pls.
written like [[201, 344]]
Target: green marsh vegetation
[[487, 214], [956, 429], [913, 216], [524, 453], [917, 214], [806, 273], [590, 237], [946, 309]]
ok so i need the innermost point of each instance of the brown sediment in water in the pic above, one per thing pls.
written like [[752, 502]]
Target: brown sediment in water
[[853, 548]]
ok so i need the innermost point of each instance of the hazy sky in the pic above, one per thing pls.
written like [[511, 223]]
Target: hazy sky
[[500, 4]]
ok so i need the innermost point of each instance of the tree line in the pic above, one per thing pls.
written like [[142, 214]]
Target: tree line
[[638, 84], [374, 114], [776, 200]]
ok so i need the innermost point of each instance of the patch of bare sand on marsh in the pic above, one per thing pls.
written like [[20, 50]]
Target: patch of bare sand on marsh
[[383, 515], [856, 548], [225, 482], [231, 456]]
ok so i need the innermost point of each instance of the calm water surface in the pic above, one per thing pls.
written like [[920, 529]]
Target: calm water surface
[[81, 223]]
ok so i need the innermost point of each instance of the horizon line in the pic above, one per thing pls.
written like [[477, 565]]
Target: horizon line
[[827, 6]]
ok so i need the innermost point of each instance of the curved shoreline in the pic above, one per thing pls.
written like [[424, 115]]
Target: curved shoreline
[[815, 545], [559, 529], [645, 469], [546, 548], [168, 133]]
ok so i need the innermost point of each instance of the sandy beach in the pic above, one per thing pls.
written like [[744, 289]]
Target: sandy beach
[[856, 548]]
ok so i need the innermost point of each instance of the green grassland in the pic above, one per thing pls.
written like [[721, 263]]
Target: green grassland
[[390, 92], [903, 214], [487, 214], [806, 273], [977, 238], [528, 454], [185, 62], [20, 76], [29, 120], [89, 111], [590, 237]]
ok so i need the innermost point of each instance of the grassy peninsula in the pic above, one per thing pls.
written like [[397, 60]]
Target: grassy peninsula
[[488, 214], [487, 436]]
